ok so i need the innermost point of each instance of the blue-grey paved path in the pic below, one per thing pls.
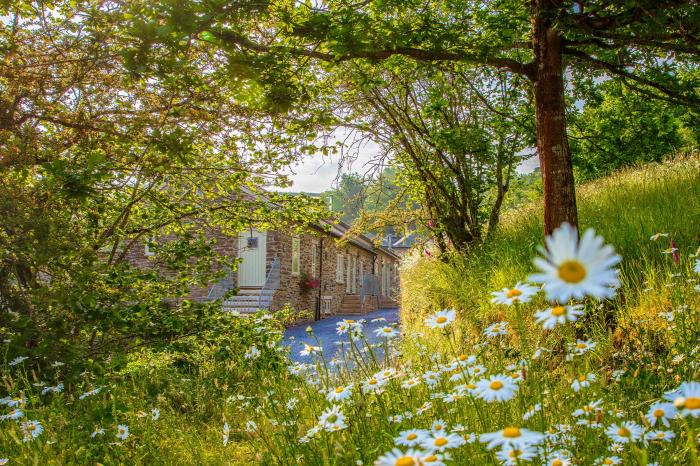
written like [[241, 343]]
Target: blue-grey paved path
[[324, 329]]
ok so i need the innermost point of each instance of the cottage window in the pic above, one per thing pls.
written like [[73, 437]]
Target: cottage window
[[339, 267], [296, 255]]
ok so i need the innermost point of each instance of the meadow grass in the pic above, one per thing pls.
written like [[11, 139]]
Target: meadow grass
[[353, 409]]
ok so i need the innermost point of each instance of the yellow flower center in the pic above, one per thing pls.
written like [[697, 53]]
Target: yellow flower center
[[437, 427], [661, 435], [692, 403], [405, 461], [515, 453], [372, 381], [387, 330], [462, 357], [430, 459], [339, 389], [572, 271], [440, 442], [624, 432], [332, 418], [581, 345], [581, 378], [558, 311], [515, 375], [511, 432], [557, 462], [513, 293], [31, 427], [441, 320], [496, 385], [411, 436], [658, 413], [607, 461]]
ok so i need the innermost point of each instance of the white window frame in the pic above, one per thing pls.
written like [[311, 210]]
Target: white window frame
[[348, 273], [147, 250], [339, 267], [296, 254]]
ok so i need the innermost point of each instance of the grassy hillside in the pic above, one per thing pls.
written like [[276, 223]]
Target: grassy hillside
[[625, 208]]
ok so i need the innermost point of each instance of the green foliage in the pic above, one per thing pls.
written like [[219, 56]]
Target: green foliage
[[619, 128]]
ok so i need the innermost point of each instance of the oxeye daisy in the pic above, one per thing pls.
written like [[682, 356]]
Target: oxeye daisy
[[252, 353], [431, 378], [373, 383], [465, 360], [309, 349], [411, 438], [656, 236], [31, 430], [441, 441], [608, 460], [226, 433], [411, 382], [438, 426], [122, 432], [432, 459], [553, 316], [686, 399], [398, 458], [14, 414], [583, 381], [697, 266], [515, 455], [520, 293], [387, 332], [441, 319], [332, 419], [573, 269], [581, 347], [494, 330], [340, 393], [557, 458], [17, 360], [496, 388], [626, 432], [661, 412], [660, 435], [513, 436]]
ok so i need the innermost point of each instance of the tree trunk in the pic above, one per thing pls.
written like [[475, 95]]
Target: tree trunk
[[550, 111]]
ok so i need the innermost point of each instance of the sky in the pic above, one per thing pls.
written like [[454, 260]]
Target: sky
[[318, 173]]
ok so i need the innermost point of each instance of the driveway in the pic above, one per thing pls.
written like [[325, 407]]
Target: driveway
[[324, 329]]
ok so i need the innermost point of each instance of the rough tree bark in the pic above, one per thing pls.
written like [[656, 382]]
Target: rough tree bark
[[550, 111]]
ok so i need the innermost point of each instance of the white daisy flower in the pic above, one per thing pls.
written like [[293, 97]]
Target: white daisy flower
[[661, 412], [438, 426], [656, 236], [513, 436], [252, 353], [373, 384], [411, 438], [17, 360], [398, 458], [309, 349], [573, 269], [92, 392], [591, 408], [608, 460], [686, 399], [516, 455], [340, 393], [53, 389], [433, 459], [441, 441], [14, 414], [660, 435], [581, 347], [553, 316], [464, 360], [155, 414], [226, 432], [558, 458], [625, 432], [332, 419], [97, 431], [494, 330], [520, 293], [431, 378], [410, 382], [31, 430], [532, 411], [496, 388], [122, 432], [387, 332], [583, 381], [697, 266], [441, 319]]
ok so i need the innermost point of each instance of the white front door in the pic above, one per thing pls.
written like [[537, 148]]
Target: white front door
[[252, 249]]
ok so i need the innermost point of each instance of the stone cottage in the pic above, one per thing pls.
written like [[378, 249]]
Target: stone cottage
[[312, 271]]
